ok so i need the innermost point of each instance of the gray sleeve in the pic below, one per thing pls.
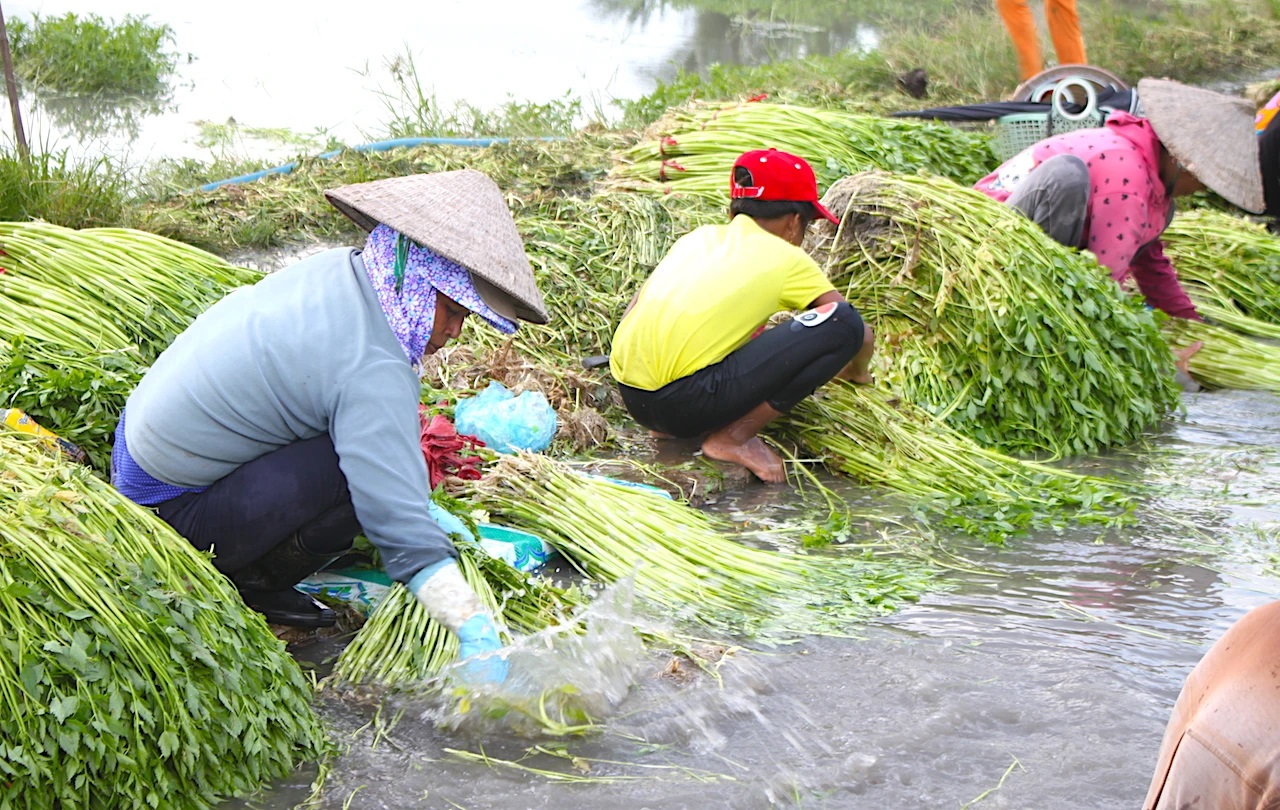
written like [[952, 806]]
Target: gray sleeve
[[375, 429]]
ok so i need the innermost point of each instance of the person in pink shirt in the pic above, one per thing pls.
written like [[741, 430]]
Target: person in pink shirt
[[1110, 190]]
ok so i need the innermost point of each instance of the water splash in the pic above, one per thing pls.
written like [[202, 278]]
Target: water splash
[[563, 680]]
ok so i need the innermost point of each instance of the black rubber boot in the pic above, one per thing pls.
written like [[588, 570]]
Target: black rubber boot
[[266, 585]]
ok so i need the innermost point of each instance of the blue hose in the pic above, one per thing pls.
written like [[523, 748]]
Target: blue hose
[[376, 146]]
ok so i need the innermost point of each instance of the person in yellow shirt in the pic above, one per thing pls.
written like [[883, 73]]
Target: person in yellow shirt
[[689, 355]]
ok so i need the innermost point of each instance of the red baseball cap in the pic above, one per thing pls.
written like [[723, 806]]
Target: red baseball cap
[[778, 176]]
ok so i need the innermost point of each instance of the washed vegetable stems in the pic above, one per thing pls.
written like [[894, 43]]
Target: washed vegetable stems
[[1019, 343], [1226, 360], [681, 560], [1230, 267], [401, 646], [678, 556], [878, 438], [133, 675]]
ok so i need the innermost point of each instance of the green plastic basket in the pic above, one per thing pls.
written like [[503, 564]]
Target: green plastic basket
[[1016, 132]]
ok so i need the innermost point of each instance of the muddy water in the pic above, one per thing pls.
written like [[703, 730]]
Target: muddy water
[[1051, 665], [323, 65]]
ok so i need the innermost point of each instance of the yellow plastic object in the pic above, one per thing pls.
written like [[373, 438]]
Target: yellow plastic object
[[15, 419]]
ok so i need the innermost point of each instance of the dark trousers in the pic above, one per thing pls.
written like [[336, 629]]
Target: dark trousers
[[781, 366], [1055, 196], [298, 488]]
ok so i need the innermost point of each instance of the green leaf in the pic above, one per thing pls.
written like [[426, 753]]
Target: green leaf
[[62, 708], [168, 744]]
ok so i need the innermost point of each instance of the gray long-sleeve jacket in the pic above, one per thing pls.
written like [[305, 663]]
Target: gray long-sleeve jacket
[[305, 351]]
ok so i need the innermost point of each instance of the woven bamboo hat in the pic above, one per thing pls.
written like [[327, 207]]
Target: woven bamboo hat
[[1211, 134], [463, 217]]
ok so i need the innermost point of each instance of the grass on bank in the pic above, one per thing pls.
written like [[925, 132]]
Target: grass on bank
[[88, 54], [963, 46], [62, 189], [969, 56], [287, 208]]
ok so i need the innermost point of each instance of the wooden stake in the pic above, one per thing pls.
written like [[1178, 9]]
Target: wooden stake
[[11, 85]]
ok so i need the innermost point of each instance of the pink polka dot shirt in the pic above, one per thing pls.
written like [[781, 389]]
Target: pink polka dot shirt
[[1128, 207]]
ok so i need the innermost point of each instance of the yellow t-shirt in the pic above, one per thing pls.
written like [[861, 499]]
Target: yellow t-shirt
[[714, 288]]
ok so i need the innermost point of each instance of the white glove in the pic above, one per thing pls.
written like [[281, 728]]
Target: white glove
[[446, 595], [451, 601]]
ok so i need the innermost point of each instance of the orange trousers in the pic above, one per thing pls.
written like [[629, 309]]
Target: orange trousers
[[1064, 29], [1221, 749]]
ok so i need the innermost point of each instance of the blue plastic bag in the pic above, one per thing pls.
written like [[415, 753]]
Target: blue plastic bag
[[507, 422]]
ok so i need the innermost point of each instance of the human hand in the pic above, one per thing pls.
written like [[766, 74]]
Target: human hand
[[479, 653], [451, 523], [1182, 376], [444, 592], [1181, 356]]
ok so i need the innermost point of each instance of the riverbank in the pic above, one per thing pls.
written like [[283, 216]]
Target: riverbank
[[962, 47], [1039, 664]]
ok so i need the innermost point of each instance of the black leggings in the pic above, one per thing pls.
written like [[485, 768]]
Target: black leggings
[[781, 366], [298, 488]]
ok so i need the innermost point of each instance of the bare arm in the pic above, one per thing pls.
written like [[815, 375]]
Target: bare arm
[[634, 299], [859, 368], [828, 297]]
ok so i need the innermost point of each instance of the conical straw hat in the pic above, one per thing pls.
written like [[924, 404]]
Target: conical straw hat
[[1211, 134], [460, 215]]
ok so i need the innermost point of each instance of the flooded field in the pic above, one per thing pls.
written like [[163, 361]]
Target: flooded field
[[1039, 674], [1041, 677]]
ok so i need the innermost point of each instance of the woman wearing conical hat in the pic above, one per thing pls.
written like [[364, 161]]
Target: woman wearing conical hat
[[284, 421], [1110, 190]]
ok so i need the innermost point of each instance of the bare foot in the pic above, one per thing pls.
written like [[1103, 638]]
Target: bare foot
[[658, 434], [752, 454]]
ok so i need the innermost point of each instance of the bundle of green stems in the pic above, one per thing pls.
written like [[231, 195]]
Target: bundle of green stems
[[133, 675], [1230, 267], [1226, 359], [83, 313], [693, 148], [1019, 343], [402, 646], [878, 438]]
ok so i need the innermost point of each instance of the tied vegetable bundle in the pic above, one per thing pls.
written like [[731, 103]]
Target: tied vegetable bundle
[[401, 645], [1230, 268], [696, 146], [589, 256], [877, 438], [1226, 360], [1015, 341], [679, 558], [132, 674], [82, 313]]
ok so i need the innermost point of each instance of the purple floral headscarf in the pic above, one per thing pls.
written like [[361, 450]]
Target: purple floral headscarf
[[410, 302]]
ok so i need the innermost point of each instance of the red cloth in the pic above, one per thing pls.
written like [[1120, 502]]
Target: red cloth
[[442, 446]]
